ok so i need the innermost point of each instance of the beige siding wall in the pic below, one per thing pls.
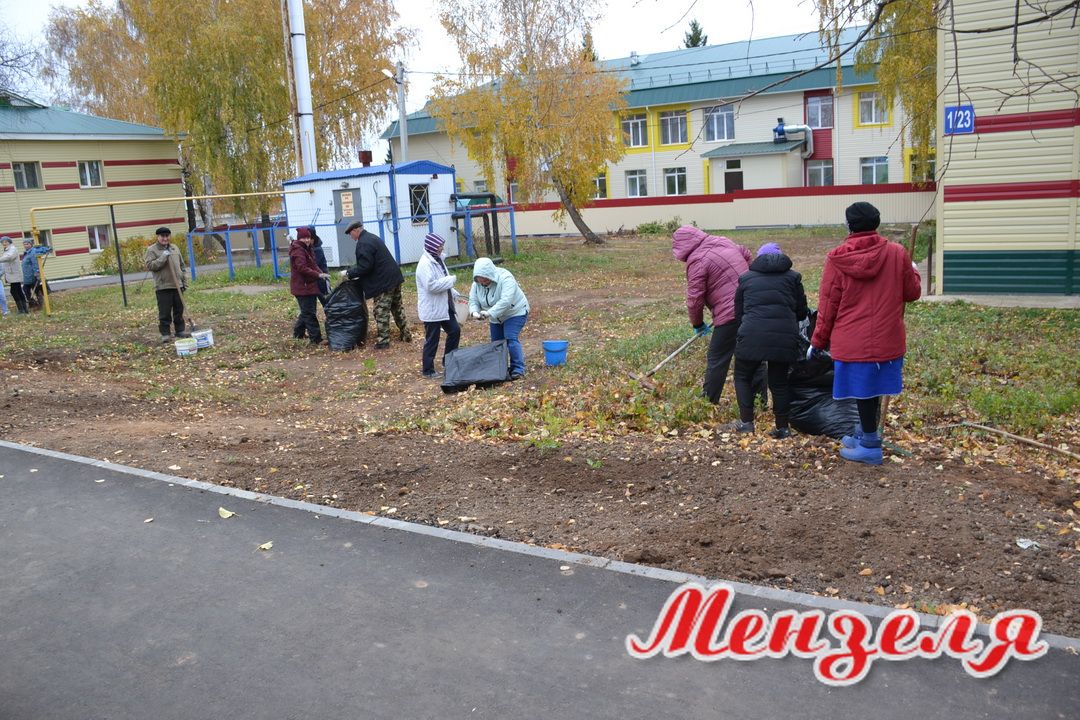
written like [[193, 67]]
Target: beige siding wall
[[774, 211], [978, 69], [125, 176]]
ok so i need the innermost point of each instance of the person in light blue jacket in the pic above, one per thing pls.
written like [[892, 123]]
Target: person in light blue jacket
[[31, 273], [496, 297]]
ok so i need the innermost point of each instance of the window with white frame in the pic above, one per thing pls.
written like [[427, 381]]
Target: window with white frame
[[875, 170], [479, 186], [719, 123], [819, 111], [99, 237], [600, 186], [872, 110], [819, 173], [675, 181], [90, 173], [512, 189], [418, 203], [672, 127], [635, 183], [635, 131], [27, 175]]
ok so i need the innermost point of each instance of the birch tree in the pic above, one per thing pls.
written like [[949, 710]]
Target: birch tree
[[215, 72], [529, 100]]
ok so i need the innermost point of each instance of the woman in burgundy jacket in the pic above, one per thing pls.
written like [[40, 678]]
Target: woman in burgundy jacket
[[867, 281], [304, 277]]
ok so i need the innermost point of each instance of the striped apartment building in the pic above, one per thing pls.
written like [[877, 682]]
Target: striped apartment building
[[50, 156]]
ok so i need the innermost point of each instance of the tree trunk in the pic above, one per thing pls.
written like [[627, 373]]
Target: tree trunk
[[591, 238]]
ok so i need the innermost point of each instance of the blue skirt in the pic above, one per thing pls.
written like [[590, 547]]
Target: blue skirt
[[863, 380]]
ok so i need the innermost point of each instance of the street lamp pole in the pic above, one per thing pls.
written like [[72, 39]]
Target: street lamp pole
[[403, 128]]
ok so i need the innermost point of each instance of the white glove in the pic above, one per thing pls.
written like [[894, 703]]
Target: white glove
[[475, 315], [914, 266], [167, 253], [484, 314], [344, 274]]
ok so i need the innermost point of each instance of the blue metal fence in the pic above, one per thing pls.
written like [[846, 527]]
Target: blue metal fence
[[254, 232]]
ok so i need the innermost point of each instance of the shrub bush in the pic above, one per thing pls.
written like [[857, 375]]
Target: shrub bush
[[660, 228]]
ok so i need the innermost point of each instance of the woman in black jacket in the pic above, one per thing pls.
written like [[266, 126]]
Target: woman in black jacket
[[769, 304]]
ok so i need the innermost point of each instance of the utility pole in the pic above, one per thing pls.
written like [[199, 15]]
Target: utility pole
[[289, 83], [403, 123], [302, 79]]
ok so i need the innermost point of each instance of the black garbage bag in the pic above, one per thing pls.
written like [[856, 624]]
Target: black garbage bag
[[815, 412], [480, 365], [346, 316], [810, 382]]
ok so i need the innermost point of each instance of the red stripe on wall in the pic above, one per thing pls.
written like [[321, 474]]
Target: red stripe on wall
[[58, 164], [136, 183], [149, 161], [72, 251], [5, 166], [7, 188], [13, 234], [148, 223], [1052, 189], [884, 189], [69, 230], [1044, 120], [63, 186]]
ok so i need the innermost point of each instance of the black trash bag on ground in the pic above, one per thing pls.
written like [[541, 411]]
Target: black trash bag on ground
[[346, 316], [810, 382], [815, 412], [480, 365]]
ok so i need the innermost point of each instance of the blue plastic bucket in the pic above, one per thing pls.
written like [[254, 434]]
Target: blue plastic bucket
[[555, 352]]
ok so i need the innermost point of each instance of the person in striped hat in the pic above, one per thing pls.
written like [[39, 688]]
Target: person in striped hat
[[435, 297]]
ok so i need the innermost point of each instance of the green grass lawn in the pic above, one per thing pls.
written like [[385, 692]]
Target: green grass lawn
[[1015, 368]]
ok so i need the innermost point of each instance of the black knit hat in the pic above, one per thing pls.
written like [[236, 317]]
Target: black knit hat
[[862, 217], [163, 231]]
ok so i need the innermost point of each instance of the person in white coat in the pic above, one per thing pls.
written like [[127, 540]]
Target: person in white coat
[[496, 297], [435, 303], [12, 274]]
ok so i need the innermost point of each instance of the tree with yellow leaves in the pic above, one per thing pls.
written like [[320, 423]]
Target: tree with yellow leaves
[[528, 98], [215, 71], [901, 43]]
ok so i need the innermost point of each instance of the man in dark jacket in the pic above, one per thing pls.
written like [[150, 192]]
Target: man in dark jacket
[[304, 277], [382, 279], [164, 260], [769, 303]]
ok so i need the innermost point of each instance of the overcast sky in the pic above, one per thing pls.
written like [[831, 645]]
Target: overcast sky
[[645, 26]]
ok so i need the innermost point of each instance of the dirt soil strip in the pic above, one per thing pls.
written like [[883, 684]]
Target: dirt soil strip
[[762, 592], [927, 534]]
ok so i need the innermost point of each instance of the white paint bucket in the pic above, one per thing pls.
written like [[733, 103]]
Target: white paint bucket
[[203, 338], [186, 347]]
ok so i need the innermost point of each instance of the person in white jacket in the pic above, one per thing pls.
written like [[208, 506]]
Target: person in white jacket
[[12, 274], [435, 303], [496, 297]]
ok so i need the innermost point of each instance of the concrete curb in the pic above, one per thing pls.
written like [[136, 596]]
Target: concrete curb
[[758, 592]]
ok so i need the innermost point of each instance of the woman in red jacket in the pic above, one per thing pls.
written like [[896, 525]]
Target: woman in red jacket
[[304, 279], [867, 281]]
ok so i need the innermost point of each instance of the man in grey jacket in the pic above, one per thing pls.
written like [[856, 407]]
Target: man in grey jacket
[[164, 260]]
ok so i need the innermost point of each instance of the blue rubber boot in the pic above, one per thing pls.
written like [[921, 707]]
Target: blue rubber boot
[[852, 440], [868, 451]]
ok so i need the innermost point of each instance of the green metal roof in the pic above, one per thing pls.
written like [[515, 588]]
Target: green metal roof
[[754, 148], [17, 122], [713, 72]]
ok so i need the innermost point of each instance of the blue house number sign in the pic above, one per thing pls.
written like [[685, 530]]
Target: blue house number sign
[[959, 119]]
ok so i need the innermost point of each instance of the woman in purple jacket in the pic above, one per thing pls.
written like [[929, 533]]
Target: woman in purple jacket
[[713, 267]]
